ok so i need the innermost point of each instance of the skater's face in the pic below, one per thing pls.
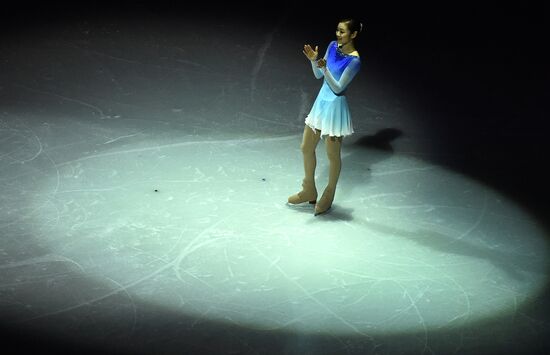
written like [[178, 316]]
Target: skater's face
[[343, 34]]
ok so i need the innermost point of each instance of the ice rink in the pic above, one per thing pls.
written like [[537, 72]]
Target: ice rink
[[145, 166]]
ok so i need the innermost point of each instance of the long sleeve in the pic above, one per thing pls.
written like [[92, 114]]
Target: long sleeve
[[338, 86], [318, 72]]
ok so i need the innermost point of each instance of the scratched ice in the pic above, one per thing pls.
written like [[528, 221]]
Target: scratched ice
[[140, 173]]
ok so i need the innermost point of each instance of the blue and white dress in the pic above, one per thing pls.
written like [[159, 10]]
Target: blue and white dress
[[330, 112]]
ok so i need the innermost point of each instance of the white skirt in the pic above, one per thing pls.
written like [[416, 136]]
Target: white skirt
[[330, 114]]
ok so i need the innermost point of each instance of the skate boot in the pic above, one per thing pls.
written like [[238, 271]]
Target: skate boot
[[308, 194]]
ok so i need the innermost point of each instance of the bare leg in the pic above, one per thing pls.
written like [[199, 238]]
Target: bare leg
[[308, 146], [333, 146]]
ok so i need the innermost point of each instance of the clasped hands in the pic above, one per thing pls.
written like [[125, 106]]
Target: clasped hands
[[312, 54]]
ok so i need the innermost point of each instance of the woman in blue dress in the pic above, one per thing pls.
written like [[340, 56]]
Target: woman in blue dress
[[329, 115]]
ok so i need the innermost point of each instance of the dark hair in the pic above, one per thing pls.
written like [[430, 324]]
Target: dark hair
[[353, 25]]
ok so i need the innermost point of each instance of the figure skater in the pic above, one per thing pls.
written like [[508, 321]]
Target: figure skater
[[329, 115]]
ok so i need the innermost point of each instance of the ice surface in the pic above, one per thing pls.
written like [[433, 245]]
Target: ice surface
[[145, 172]]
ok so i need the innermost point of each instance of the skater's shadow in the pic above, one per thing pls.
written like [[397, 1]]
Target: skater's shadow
[[360, 156], [380, 141]]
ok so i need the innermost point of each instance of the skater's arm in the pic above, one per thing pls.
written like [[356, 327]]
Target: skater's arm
[[338, 86], [312, 56], [318, 72]]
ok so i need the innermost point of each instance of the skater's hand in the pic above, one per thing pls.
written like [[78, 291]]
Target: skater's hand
[[321, 63], [310, 53]]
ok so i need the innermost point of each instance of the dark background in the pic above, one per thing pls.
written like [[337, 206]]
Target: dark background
[[479, 71]]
